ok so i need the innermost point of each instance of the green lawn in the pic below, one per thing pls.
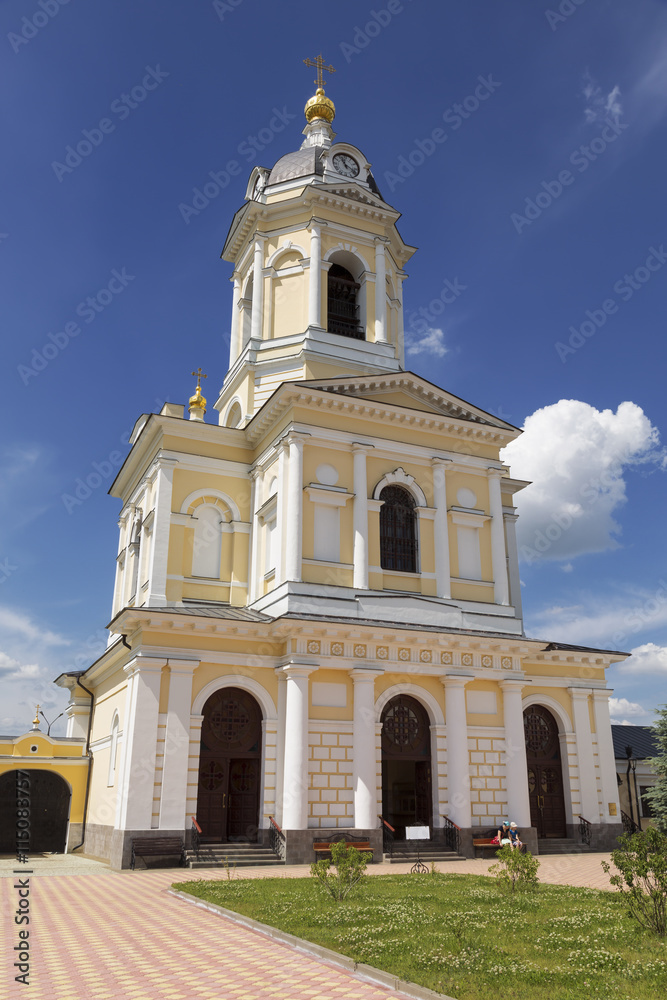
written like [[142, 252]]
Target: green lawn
[[459, 935]]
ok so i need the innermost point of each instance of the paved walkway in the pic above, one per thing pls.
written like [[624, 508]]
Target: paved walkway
[[118, 935]]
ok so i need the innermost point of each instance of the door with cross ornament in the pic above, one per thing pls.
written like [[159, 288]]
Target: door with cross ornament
[[545, 772], [230, 767]]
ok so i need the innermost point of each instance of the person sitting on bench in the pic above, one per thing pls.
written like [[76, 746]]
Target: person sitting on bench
[[515, 840]]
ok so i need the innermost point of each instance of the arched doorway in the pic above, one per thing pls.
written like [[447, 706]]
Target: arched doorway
[[342, 303], [230, 762], [49, 796], [406, 764], [545, 772]]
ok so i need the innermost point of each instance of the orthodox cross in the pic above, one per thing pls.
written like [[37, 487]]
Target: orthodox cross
[[319, 63], [200, 375]]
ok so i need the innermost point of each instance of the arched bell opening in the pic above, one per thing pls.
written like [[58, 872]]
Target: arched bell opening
[[407, 798], [343, 306], [545, 773], [230, 763]]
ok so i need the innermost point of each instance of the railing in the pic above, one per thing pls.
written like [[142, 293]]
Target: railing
[[388, 832], [195, 837], [585, 831], [629, 825], [452, 835], [277, 839], [345, 328]]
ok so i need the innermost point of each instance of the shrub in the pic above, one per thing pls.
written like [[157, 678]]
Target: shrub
[[515, 870], [349, 864], [642, 877]]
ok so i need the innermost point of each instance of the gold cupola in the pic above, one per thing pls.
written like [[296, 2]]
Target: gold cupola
[[319, 106], [197, 404]]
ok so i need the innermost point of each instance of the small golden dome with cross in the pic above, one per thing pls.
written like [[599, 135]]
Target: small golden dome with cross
[[319, 106], [198, 402]]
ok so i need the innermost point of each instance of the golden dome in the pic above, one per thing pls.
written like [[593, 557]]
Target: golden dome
[[319, 106], [197, 401]]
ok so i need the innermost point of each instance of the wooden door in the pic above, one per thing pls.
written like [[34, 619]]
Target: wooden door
[[406, 764], [230, 767], [545, 773]]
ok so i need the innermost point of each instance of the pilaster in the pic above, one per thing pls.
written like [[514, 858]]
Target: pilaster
[[159, 554], [364, 774], [498, 552], [458, 762], [177, 744], [441, 529], [518, 798]]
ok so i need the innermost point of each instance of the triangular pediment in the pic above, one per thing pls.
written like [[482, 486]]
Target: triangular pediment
[[408, 390]]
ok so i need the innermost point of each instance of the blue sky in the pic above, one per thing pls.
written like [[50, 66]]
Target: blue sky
[[540, 200]]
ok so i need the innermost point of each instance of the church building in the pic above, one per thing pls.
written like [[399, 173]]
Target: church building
[[316, 621]]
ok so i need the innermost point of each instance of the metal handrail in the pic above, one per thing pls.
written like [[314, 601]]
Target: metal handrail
[[629, 825], [277, 840], [196, 832], [585, 831], [388, 832], [452, 835]]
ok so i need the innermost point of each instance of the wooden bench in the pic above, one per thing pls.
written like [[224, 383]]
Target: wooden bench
[[153, 847], [323, 847], [485, 843]]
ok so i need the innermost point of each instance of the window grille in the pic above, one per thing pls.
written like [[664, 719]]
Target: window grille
[[398, 530]]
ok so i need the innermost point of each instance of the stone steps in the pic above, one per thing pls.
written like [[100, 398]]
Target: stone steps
[[407, 852], [562, 845], [232, 856]]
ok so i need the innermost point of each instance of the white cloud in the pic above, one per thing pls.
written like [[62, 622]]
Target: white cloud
[[567, 567], [621, 706], [646, 660], [599, 105], [608, 621], [17, 622], [432, 342], [576, 457]]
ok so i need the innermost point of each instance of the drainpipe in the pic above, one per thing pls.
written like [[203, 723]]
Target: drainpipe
[[90, 760], [628, 751]]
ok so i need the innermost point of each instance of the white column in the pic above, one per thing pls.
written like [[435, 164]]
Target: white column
[[498, 553], [380, 294], [294, 532], [157, 566], [256, 500], [280, 744], [78, 714], [518, 798], [441, 529], [458, 761], [177, 745], [606, 761], [360, 518], [364, 773], [400, 346], [281, 504], [513, 562], [295, 779], [235, 335], [589, 807], [135, 791], [315, 283], [257, 290]]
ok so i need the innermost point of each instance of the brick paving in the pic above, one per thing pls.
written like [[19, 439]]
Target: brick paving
[[102, 934]]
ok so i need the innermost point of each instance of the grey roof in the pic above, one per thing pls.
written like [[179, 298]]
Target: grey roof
[[224, 611], [302, 163], [640, 738]]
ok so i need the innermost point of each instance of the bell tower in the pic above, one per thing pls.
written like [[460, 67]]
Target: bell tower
[[318, 270]]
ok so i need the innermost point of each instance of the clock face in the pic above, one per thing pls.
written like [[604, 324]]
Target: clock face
[[346, 165]]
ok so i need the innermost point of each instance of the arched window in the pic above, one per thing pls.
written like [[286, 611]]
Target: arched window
[[343, 304], [398, 530], [207, 543], [235, 415]]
